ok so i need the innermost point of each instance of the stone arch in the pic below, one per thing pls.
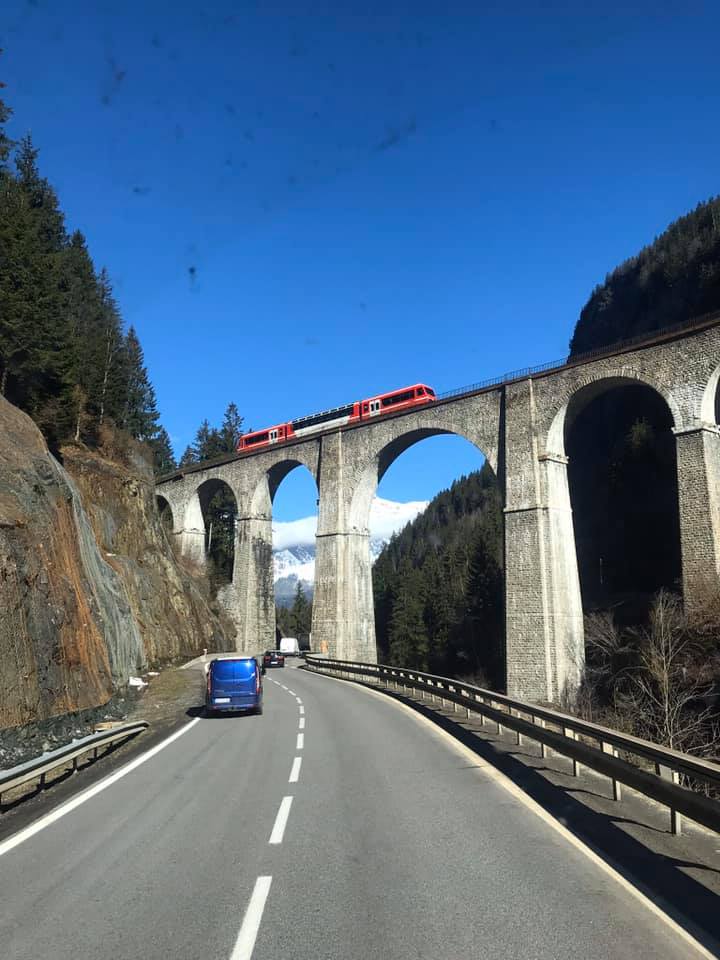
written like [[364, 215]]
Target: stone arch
[[588, 388], [620, 501], [379, 461], [196, 530], [166, 511], [710, 403], [265, 486]]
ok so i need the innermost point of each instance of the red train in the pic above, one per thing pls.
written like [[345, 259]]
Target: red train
[[400, 399]]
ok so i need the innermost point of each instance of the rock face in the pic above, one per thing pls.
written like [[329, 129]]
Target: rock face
[[90, 592]]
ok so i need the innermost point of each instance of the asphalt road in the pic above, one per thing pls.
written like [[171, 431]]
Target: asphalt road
[[394, 845]]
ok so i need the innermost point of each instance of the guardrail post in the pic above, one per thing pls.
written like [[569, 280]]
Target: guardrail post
[[616, 787], [667, 773], [543, 749], [572, 736], [518, 735]]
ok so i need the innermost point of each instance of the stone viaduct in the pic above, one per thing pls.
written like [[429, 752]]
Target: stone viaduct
[[520, 426]]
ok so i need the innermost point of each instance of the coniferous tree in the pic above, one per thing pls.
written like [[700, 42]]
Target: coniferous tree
[[188, 457], [140, 417], [64, 357], [163, 457], [231, 429], [300, 614], [6, 144]]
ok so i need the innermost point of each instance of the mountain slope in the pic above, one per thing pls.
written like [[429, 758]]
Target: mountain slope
[[438, 584], [674, 278]]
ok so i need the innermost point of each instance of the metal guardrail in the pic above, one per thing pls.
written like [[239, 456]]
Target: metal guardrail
[[41, 766], [566, 735], [571, 360]]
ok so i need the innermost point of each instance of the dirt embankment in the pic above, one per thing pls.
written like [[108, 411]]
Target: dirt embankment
[[90, 590]]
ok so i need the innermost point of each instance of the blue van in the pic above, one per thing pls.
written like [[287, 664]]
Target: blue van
[[234, 684]]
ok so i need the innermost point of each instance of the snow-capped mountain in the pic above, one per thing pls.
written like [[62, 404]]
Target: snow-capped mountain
[[294, 544]]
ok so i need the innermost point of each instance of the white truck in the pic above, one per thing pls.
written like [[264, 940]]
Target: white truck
[[290, 646]]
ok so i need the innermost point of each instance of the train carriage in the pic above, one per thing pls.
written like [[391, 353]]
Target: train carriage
[[394, 400]]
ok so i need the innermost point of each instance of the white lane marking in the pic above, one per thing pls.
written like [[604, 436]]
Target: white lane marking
[[295, 772], [298, 699], [281, 820], [301, 725], [300, 741], [251, 921], [484, 767], [55, 815], [302, 709], [291, 692], [283, 686]]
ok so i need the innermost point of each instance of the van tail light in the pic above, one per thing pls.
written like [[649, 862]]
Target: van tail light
[[257, 681], [209, 683]]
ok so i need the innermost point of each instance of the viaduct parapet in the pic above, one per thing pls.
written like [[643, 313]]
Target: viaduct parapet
[[520, 427]]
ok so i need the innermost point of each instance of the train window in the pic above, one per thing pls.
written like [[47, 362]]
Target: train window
[[397, 398], [258, 438]]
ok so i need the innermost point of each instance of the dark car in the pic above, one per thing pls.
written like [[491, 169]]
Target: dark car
[[234, 683], [273, 658]]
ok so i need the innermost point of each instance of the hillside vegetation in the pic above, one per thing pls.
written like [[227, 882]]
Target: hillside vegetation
[[672, 279], [438, 585], [66, 357]]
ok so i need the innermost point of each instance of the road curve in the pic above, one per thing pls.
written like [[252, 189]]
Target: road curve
[[334, 826]]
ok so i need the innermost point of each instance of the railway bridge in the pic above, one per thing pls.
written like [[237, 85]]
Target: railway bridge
[[519, 423]]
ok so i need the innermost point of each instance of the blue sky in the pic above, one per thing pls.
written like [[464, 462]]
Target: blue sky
[[302, 204]]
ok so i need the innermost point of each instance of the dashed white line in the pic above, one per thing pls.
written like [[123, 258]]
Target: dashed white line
[[295, 772], [283, 686], [301, 726], [300, 741], [298, 699], [281, 820], [251, 921], [54, 815], [291, 692], [301, 708]]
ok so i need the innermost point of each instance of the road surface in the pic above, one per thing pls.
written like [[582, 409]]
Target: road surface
[[336, 825]]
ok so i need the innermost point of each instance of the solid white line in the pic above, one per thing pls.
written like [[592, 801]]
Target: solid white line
[[281, 820], [302, 709], [251, 921], [55, 815], [295, 772], [301, 723], [300, 741], [298, 699]]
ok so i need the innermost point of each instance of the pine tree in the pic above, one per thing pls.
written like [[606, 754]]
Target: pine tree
[[300, 614], [188, 457], [140, 417], [408, 634], [35, 345], [163, 457], [231, 429], [6, 144], [106, 358]]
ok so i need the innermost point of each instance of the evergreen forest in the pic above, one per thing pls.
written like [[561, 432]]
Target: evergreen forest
[[438, 585], [66, 356], [675, 278]]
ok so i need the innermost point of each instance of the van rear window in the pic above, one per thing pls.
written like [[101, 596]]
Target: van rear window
[[233, 669]]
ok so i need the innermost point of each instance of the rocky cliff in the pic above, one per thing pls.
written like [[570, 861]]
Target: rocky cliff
[[90, 591]]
